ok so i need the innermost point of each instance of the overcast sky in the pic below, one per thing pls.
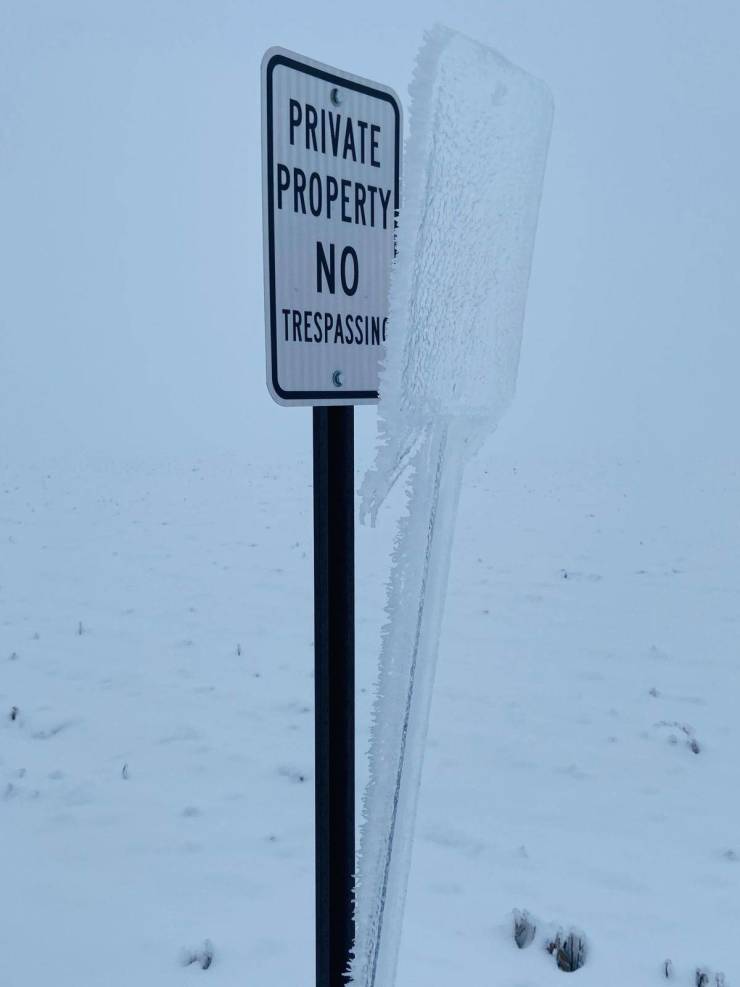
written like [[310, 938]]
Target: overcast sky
[[131, 314]]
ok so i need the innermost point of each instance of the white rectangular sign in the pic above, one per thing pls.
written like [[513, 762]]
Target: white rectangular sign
[[331, 158]]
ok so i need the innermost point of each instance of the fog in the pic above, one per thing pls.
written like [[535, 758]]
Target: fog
[[131, 312]]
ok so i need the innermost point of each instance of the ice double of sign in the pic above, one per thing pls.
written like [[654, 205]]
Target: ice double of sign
[[474, 168], [331, 159]]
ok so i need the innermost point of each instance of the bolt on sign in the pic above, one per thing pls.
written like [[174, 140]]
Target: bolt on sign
[[331, 153]]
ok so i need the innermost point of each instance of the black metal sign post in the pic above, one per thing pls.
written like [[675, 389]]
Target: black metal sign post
[[334, 601], [331, 167]]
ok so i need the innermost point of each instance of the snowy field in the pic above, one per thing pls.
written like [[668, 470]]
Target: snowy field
[[156, 735]]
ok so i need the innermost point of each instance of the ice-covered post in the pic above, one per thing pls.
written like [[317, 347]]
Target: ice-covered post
[[473, 175]]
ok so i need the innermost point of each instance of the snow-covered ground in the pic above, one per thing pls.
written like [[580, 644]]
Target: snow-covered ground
[[156, 723]]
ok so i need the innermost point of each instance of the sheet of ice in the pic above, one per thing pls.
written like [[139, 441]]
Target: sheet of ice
[[473, 172], [474, 168]]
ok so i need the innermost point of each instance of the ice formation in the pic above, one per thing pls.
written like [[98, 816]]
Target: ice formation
[[474, 167]]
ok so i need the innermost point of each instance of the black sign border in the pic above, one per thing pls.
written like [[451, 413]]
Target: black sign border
[[345, 397]]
